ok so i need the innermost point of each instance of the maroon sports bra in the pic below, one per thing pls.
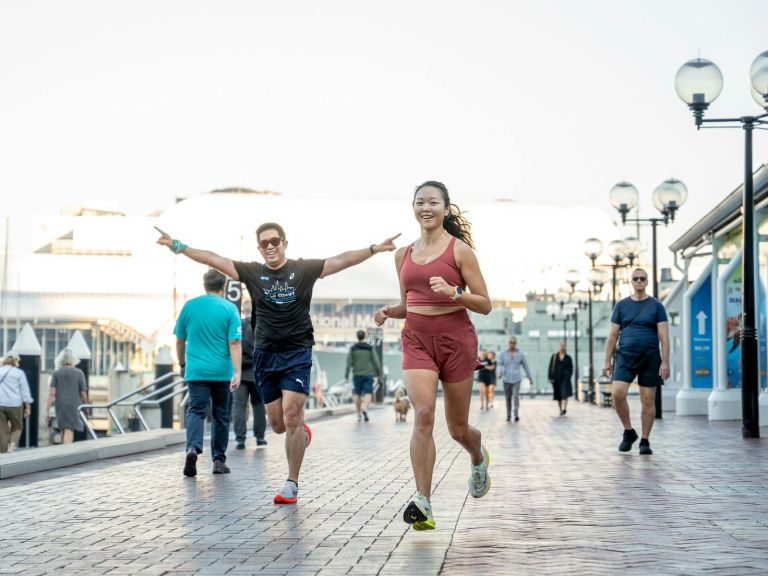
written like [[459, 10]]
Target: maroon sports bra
[[415, 278]]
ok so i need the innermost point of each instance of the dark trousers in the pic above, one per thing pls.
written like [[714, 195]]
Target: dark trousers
[[240, 411], [512, 392], [202, 393]]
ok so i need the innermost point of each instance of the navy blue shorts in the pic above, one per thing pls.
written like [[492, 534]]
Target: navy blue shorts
[[643, 365], [363, 384], [276, 371]]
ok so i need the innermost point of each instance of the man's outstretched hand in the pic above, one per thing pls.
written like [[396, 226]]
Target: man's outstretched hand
[[165, 238], [388, 245]]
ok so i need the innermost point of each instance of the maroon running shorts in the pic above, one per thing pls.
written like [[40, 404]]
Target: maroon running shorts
[[444, 343]]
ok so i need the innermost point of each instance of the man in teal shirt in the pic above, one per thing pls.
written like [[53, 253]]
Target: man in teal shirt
[[208, 335]]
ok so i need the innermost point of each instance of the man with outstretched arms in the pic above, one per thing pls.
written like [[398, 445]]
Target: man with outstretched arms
[[281, 291]]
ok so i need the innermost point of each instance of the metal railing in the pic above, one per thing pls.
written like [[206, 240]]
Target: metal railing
[[165, 392]]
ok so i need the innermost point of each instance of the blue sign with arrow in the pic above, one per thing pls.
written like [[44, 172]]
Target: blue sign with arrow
[[702, 359]]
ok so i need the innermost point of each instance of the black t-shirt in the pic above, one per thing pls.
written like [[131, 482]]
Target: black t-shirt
[[487, 375], [281, 300]]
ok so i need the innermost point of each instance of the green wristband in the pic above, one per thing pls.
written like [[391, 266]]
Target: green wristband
[[177, 247]]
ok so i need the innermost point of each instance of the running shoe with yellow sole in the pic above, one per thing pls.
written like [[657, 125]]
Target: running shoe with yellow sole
[[479, 480], [418, 513]]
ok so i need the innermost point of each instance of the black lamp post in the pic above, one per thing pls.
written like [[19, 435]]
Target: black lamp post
[[592, 248], [580, 299], [667, 198], [596, 278], [617, 250], [698, 83], [572, 277]]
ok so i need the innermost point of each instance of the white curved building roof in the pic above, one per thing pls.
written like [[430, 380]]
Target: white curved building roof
[[521, 247], [110, 266]]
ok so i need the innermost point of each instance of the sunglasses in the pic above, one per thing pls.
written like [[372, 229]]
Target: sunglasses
[[274, 241], [639, 279]]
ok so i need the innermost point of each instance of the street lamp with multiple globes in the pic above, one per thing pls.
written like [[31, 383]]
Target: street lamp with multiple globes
[[572, 278], [596, 278], [580, 297], [667, 199], [617, 250], [558, 309], [698, 83]]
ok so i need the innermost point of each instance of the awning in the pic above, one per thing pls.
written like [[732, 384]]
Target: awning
[[723, 215]]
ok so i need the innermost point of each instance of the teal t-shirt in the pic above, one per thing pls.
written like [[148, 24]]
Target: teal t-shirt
[[208, 323]]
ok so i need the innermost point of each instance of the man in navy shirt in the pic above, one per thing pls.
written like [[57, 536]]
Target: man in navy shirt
[[641, 321]]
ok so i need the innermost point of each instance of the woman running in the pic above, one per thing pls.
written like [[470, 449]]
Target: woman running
[[439, 280]]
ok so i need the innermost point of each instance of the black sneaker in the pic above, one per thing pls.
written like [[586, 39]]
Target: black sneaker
[[645, 447], [240, 445], [517, 418], [630, 436], [261, 442], [190, 464], [365, 416], [220, 468]]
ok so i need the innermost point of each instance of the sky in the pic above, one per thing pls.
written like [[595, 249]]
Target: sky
[[130, 104]]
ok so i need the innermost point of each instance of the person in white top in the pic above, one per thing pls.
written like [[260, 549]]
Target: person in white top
[[15, 400]]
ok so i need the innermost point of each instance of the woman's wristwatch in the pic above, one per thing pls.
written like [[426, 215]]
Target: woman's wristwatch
[[457, 292]]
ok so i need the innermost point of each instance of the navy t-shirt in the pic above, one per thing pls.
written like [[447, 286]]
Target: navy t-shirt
[[280, 300], [638, 321]]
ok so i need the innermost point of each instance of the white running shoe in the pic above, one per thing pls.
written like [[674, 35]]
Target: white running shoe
[[419, 513], [479, 480]]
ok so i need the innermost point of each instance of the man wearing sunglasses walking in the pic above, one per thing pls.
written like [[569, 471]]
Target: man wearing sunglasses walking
[[281, 291], [641, 323]]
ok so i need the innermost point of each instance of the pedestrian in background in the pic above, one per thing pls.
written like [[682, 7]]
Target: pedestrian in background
[[364, 364], [487, 376], [67, 392], [510, 362], [15, 400], [208, 346], [639, 323], [480, 380], [248, 389], [559, 375]]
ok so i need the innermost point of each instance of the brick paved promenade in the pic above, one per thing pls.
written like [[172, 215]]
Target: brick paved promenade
[[563, 501]]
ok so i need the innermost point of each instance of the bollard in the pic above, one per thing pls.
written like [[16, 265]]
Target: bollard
[[80, 348], [28, 348], [164, 365], [584, 389]]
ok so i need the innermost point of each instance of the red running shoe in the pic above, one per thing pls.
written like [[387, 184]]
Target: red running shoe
[[288, 495]]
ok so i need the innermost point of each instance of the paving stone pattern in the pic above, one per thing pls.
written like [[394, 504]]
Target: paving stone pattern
[[563, 501]]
